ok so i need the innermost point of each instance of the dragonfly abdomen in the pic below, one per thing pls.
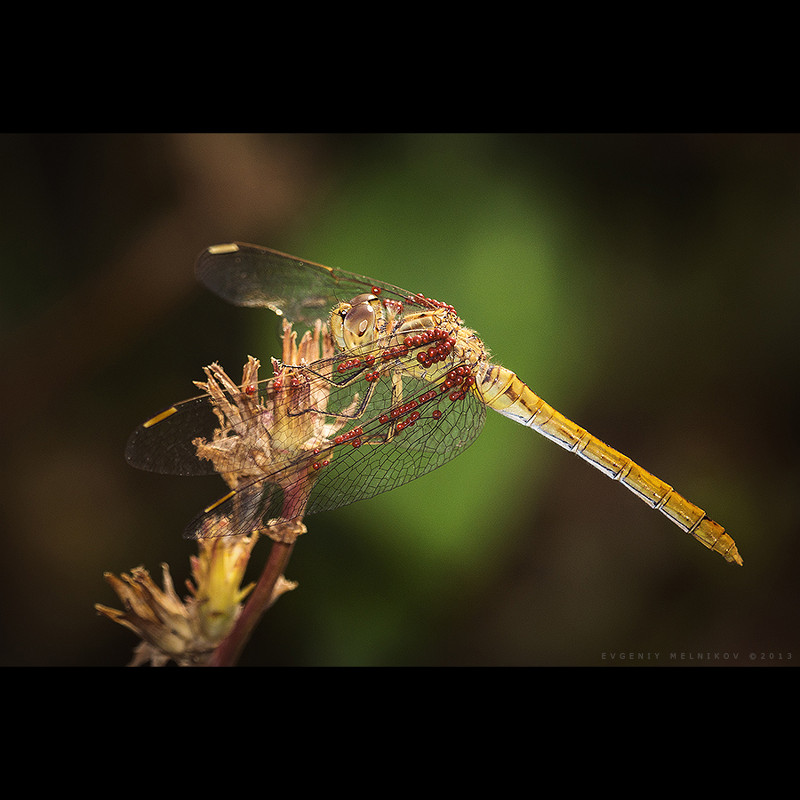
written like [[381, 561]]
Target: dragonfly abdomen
[[503, 391]]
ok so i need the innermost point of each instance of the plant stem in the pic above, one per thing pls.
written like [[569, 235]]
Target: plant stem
[[228, 652]]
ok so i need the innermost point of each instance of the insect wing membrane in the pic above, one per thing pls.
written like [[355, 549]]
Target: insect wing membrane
[[163, 444], [302, 291], [357, 470]]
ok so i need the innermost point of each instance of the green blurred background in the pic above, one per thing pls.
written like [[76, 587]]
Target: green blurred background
[[644, 285]]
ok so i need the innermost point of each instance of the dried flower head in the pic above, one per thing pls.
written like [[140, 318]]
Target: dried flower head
[[257, 434], [267, 436], [188, 630]]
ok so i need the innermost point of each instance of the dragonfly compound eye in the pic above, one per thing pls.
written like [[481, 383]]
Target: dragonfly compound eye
[[360, 322]]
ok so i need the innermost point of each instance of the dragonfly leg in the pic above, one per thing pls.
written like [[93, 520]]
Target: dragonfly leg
[[344, 414], [397, 398]]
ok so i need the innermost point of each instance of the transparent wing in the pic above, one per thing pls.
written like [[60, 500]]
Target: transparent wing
[[443, 430], [302, 291], [387, 445], [164, 443]]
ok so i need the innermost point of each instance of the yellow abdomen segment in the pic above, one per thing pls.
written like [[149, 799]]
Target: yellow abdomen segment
[[503, 391]]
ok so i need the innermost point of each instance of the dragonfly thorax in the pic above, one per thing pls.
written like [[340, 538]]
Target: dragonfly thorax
[[357, 324]]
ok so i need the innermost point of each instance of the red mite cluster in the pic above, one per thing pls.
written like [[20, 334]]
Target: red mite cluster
[[441, 346], [438, 345], [277, 384], [460, 377], [435, 353], [429, 302], [417, 299]]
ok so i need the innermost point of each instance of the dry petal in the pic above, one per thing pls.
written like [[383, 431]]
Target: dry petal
[[185, 631]]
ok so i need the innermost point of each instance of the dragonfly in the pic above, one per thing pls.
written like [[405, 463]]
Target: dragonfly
[[386, 386]]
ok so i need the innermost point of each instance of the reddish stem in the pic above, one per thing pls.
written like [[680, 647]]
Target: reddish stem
[[228, 652]]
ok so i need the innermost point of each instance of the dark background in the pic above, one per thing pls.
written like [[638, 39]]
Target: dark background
[[644, 285]]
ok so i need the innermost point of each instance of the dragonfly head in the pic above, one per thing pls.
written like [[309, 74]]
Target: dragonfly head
[[357, 324]]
